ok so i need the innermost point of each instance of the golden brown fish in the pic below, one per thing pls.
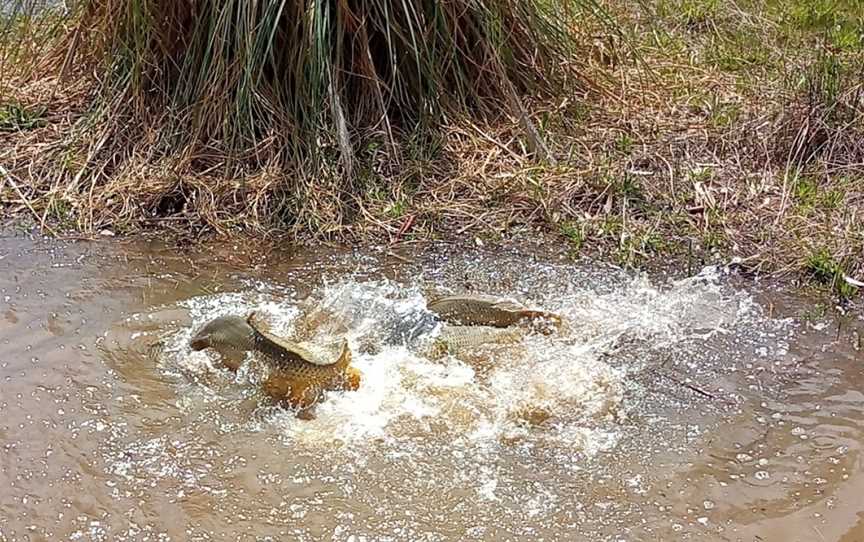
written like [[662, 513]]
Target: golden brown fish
[[298, 374], [483, 310]]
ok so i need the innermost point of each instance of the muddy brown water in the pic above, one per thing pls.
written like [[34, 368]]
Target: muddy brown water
[[703, 408]]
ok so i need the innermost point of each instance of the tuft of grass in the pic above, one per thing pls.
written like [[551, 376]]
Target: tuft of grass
[[823, 82], [628, 186], [815, 313], [700, 175], [611, 226], [636, 247], [720, 114], [574, 234], [15, 117], [827, 270], [28, 31], [284, 79], [699, 14], [806, 191], [714, 240], [840, 21], [825, 119], [397, 209], [624, 143]]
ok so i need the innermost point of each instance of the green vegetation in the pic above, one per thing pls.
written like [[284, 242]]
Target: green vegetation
[[239, 74], [698, 14], [573, 232], [811, 197], [827, 270], [28, 31], [624, 144], [15, 117]]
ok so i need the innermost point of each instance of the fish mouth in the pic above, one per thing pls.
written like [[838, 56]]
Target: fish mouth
[[199, 343]]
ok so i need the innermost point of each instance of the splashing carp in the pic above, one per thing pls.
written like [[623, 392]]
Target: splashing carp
[[299, 373], [455, 340], [484, 310]]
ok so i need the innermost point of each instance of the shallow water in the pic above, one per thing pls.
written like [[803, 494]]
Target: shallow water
[[703, 408]]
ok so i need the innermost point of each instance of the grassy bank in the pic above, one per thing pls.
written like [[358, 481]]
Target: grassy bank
[[694, 129]]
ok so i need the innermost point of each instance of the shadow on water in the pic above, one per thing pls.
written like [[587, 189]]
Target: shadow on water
[[705, 408]]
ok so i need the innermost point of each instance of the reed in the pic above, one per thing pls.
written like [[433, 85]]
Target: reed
[[258, 80]]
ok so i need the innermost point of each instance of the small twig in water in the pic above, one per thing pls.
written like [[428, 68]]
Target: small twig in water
[[693, 388]]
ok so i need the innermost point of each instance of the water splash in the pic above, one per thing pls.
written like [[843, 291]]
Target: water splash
[[561, 390]]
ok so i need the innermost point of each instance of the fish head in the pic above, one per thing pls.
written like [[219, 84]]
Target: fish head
[[199, 342], [226, 330]]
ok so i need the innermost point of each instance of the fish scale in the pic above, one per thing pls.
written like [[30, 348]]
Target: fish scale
[[455, 339]]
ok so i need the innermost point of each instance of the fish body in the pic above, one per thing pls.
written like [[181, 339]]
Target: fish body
[[483, 310], [299, 373], [455, 340]]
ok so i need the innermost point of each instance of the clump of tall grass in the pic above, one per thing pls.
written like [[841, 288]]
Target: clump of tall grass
[[824, 118], [238, 86], [282, 76], [28, 31]]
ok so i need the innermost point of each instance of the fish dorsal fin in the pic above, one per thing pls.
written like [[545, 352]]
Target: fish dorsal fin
[[278, 346], [508, 305], [330, 353]]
